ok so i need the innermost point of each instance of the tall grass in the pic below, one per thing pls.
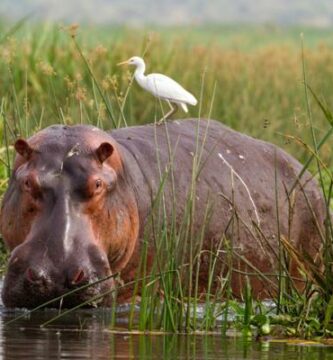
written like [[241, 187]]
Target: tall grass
[[51, 74], [44, 79]]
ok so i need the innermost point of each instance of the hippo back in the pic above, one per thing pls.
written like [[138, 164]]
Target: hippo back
[[238, 187]]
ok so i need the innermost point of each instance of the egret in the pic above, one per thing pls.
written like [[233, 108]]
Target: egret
[[161, 86]]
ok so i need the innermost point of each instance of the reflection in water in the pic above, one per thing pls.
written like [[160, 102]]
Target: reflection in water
[[85, 334]]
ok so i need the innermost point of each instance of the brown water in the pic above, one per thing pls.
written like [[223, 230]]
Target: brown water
[[86, 334]]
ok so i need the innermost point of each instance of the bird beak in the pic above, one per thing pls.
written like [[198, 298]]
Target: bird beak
[[123, 63]]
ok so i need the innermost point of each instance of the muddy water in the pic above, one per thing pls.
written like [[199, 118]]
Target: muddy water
[[86, 334]]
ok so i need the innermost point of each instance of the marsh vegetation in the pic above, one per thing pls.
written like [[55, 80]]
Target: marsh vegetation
[[279, 92]]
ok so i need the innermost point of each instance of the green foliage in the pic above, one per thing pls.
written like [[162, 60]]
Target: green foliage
[[51, 75]]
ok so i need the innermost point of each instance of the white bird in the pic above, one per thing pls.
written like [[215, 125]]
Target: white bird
[[161, 86]]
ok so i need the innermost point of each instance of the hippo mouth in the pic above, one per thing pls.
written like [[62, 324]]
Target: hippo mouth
[[21, 294]]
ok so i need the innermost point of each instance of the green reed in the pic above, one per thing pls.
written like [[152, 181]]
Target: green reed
[[61, 75]]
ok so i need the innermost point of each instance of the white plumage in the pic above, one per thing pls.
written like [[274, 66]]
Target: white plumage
[[161, 86]]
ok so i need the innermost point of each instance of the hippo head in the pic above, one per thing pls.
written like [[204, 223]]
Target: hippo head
[[67, 217]]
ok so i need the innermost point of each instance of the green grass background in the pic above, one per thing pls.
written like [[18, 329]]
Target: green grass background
[[250, 78]]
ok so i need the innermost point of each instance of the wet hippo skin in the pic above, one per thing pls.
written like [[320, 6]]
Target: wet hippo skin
[[79, 206]]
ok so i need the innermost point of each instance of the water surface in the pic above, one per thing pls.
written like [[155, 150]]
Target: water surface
[[87, 334]]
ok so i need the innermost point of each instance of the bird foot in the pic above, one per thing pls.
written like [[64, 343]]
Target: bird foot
[[168, 115], [161, 121]]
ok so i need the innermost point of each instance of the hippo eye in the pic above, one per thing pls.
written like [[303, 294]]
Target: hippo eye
[[31, 186], [98, 183], [27, 184]]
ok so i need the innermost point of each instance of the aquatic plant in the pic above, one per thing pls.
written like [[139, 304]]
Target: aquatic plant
[[64, 76]]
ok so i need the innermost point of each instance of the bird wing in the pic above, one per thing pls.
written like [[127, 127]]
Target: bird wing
[[165, 88]]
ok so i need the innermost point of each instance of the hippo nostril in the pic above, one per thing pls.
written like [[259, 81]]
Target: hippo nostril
[[34, 276], [78, 277]]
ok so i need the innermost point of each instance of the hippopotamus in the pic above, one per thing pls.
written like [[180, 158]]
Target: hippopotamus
[[83, 204]]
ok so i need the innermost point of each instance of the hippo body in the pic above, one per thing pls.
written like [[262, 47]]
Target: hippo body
[[80, 201]]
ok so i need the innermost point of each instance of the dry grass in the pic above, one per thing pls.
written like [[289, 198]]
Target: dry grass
[[259, 92]]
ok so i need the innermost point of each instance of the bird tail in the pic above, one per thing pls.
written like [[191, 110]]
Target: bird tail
[[191, 99], [184, 107]]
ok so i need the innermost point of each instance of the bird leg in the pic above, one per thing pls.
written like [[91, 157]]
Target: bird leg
[[173, 110]]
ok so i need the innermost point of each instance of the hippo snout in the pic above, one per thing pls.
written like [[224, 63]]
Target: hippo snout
[[38, 277], [32, 280]]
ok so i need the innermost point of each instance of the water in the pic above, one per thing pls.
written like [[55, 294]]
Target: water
[[86, 334]]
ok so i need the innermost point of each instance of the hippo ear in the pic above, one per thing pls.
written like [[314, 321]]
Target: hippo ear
[[104, 151], [23, 148]]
